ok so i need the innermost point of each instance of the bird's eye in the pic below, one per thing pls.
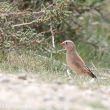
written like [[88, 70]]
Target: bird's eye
[[66, 42]]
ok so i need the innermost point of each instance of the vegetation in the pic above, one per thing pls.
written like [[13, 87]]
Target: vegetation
[[36, 28]]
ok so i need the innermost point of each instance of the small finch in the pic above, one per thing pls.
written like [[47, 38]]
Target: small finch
[[74, 61]]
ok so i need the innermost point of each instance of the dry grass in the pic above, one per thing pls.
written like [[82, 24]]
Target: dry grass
[[49, 69]]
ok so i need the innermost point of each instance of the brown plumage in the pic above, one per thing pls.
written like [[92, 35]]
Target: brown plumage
[[74, 61]]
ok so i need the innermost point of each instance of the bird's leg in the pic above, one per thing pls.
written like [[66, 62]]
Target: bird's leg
[[69, 74], [80, 77], [75, 76]]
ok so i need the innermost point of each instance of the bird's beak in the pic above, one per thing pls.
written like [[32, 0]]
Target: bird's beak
[[62, 44]]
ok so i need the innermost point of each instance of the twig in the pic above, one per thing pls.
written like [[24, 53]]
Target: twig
[[52, 35], [22, 13], [38, 14], [23, 24]]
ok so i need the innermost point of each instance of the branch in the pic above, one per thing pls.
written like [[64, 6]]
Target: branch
[[52, 35], [23, 24], [23, 13]]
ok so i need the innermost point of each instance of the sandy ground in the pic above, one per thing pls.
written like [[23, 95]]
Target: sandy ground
[[30, 94]]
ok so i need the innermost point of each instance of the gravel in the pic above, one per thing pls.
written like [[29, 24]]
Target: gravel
[[20, 92]]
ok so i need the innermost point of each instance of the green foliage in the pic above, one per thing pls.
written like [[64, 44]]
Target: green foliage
[[32, 25]]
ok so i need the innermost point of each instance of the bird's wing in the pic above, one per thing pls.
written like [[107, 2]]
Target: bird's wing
[[78, 60], [81, 66], [79, 63], [84, 69]]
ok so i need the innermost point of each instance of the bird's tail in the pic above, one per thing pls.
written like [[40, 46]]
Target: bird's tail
[[92, 75]]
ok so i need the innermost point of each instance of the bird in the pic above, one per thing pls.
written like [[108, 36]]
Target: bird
[[74, 60]]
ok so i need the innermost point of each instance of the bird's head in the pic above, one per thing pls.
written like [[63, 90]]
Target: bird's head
[[68, 45]]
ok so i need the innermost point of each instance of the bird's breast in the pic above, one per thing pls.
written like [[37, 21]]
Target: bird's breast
[[72, 62]]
